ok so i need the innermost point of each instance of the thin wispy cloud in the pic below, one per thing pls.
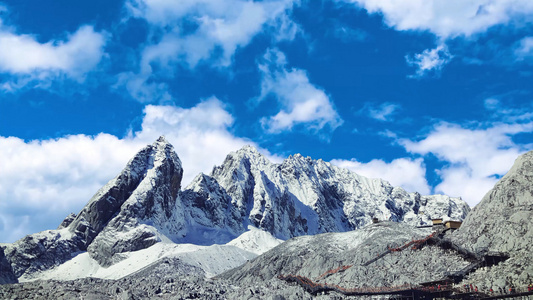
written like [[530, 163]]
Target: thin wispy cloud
[[384, 112], [524, 49]]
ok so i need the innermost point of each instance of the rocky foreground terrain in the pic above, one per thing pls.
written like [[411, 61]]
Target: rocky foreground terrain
[[246, 200], [503, 222]]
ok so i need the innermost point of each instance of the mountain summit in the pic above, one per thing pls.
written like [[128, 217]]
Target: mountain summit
[[145, 205]]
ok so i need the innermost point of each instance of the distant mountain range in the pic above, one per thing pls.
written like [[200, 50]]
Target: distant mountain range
[[248, 204]]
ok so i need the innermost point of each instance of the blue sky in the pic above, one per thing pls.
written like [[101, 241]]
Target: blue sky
[[434, 96]]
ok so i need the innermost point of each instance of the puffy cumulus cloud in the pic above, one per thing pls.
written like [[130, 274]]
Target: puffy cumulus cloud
[[42, 181], [29, 60], [407, 173], [187, 33], [301, 102], [475, 158], [448, 18], [430, 60]]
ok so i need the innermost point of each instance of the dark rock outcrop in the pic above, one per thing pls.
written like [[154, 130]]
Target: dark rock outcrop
[[6, 272], [67, 221], [147, 213]]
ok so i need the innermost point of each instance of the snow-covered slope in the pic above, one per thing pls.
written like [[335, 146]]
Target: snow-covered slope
[[213, 260], [256, 241], [248, 201]]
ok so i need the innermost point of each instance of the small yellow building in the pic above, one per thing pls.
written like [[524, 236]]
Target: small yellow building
[[436, 222], [452, 224]]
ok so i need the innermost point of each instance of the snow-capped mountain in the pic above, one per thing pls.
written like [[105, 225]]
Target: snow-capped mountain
[[145, 205], [305, 196]]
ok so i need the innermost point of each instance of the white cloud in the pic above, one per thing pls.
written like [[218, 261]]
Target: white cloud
[[508, 114], [448, 18], [301, 102], [430, 60], [207, 31], [474, 157], [42, 181], [22, 55], [383, 112], [524, 49], [404, 172], [199, 134]]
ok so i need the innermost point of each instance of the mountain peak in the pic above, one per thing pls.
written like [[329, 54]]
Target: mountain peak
[[246, 153], [249, 150], [161, 140]]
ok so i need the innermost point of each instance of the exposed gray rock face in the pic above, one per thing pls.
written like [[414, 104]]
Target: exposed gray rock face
[[6, 272], [43, 250], [150, 182], [67, 221], [150, 213], [313, 256], [503, 221]]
